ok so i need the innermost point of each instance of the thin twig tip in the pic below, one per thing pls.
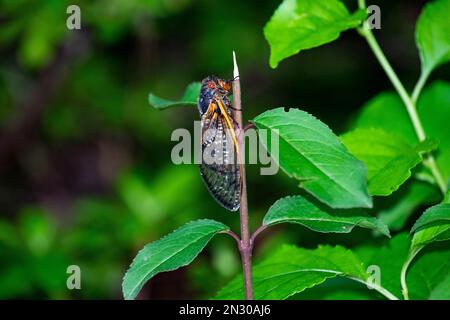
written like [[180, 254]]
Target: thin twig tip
[[235, 69]]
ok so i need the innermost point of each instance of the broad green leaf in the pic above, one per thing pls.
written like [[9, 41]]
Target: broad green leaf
[[309, 152], [429, 275], [387, 112], [189, 98], [338, 289], [433, 35], [416, 194], [291, 270], [169, 253], [318, 217], [433, 225], [389, 259], [434, 111], [303, 24], [388, 158]]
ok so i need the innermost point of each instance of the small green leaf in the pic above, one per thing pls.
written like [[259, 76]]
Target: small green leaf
[[291, 270], [389, 259], [304, 24], [389, 158], [189, 98], [447, 197], [309, 152], [319, 217], [433, 35], [169, 253]]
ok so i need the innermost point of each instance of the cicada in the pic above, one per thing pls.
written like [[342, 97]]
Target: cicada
[[220, 167]]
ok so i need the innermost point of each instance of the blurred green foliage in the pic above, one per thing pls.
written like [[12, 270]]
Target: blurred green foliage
[[90, 180]]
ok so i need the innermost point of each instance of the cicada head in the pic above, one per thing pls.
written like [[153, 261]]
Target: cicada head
[[212, 88]]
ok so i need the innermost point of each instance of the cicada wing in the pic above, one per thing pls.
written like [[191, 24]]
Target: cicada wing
[[220, 169]]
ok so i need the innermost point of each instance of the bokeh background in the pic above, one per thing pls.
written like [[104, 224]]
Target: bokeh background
[[85, 171]]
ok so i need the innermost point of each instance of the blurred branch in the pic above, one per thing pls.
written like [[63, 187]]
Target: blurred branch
[[20, 131]]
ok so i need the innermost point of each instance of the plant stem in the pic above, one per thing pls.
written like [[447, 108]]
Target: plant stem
[[405, 266], [245, 246], [409, 103], [419, 86]]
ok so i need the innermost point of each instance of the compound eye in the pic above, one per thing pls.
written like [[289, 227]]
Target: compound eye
[[211, 85]]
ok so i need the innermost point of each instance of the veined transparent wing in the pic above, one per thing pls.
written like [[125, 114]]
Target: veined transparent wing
[[220, 169]]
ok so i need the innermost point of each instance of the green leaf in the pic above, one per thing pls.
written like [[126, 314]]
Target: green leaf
[[432, 226], [388, 158], [189, 98], [37, 229], [447, 197], [291, 270], [437, 214], [304, 24], [433, 35], [416, 194], [389, 259], [169, 253], [438, 231], [311, 153], [319, 217], [386, 111], [429, 275]]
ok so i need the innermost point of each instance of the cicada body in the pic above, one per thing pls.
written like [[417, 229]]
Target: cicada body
[[220, 167]]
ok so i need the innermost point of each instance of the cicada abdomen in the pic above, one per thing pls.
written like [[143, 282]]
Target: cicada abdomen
[[220, 167]]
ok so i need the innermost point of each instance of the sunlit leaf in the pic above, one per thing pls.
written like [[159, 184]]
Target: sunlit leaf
[[312, 154], [388, 259], [175, 250]]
